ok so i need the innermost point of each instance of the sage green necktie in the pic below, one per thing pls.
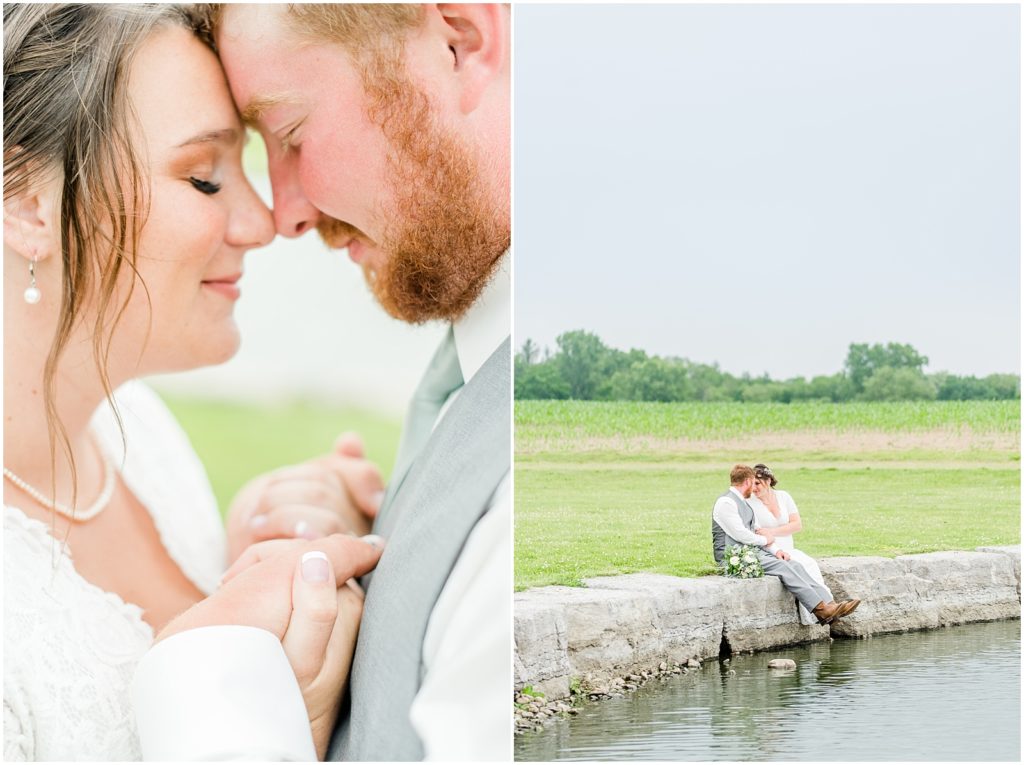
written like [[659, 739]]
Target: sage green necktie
[[442, 378]]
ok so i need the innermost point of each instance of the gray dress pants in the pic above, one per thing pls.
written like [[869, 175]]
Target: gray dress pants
[[795, 579]]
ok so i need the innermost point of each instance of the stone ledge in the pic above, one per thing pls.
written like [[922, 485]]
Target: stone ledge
[[1010, 551], [619, 625]]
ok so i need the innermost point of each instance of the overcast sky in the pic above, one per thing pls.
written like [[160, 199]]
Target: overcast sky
[[761, 186]]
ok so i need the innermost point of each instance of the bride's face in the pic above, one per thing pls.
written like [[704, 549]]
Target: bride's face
[[203, 214]]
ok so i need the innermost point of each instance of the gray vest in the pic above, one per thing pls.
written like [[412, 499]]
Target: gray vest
[[719, 539], [446, 491]]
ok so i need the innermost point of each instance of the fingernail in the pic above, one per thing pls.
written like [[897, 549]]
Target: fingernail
[[257, 520], [303, 530], [378, 498], [374, 541], [315, 567]]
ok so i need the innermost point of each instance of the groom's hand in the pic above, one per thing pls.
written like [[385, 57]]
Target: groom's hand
[[337, 493]]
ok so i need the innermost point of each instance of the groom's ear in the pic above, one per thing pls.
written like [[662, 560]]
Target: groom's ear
[[478, 38]]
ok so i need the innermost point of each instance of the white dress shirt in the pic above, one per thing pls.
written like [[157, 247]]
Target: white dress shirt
[[461, 710], [727, 515]]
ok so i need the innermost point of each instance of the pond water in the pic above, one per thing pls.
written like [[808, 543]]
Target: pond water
[[947, 694]]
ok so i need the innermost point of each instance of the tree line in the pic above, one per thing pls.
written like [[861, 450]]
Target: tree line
[[583, 367]]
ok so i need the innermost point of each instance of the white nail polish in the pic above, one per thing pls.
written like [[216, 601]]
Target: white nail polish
[[257, 520], [315, 567]]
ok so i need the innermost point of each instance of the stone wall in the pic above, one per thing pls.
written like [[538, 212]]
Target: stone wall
[[619, 625]]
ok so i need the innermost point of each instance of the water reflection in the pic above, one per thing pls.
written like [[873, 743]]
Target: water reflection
[[951, 694]]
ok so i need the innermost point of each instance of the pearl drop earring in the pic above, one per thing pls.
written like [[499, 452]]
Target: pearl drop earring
[[32, 294]]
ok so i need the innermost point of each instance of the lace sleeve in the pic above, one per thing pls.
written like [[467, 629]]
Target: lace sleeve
[[17, 735]]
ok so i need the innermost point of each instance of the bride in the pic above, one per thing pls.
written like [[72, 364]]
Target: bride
[[776, 512], [126, 220]]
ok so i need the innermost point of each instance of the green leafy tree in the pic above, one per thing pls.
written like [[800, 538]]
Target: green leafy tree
[[529, 352], [892, 384], [651, 379], [540, 381], [863, 360], [581, 360]]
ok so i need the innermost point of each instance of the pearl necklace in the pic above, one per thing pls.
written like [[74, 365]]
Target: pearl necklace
[[90, 512]]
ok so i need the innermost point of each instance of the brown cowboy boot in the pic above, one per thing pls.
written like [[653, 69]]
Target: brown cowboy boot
[[826, 613]]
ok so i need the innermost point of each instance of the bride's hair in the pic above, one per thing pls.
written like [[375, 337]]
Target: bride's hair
[[764, 473], [67, 116]]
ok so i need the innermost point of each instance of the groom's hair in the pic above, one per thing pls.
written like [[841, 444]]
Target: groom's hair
[[360, 28], [741, 474]]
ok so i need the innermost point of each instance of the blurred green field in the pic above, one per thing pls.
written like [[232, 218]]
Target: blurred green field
[[239, 441], [570, 431], [605, 488]]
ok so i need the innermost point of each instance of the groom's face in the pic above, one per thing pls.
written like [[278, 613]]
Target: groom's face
[[367, 159]]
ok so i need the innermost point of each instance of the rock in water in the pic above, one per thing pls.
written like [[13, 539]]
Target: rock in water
[[782, 664]]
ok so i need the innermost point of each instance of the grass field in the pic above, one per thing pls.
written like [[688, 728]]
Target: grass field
[[237, 441], [611, 488]]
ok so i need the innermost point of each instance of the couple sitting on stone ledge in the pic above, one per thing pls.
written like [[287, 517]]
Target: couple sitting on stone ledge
[[754, 513]]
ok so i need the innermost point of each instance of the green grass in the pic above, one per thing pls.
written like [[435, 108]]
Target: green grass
[[630, 419], [237, 442], [892, 480]]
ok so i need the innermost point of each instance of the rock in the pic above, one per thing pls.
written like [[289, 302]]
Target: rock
[[782, 664], [622, 627], [541, 646], [608, 630], [1010, 551], [687, 612], [925, 591], [759, 614]]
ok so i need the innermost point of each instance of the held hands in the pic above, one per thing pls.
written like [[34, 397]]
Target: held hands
[[339, 492], [782, 554], [766, 534], [290, 588]]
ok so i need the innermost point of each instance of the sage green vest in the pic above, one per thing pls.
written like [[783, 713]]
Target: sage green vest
[[446, 491]]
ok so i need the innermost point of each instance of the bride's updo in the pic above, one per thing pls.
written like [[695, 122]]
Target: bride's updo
[[764, 473], [67, 119]]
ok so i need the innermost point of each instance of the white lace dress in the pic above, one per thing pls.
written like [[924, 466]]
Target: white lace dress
[[764, 519], [70, 648]]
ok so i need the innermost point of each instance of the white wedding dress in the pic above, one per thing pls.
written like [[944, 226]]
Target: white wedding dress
[[70, 648], [764, 519]]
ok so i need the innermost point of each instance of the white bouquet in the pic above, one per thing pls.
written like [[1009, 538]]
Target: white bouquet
[[741, 561]]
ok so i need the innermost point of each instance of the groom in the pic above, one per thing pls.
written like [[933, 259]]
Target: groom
[[732, 523], [388, 131]]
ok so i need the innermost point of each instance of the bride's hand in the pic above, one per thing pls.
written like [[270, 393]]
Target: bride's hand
[[288, 587], [320, 642], [339, 492]]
